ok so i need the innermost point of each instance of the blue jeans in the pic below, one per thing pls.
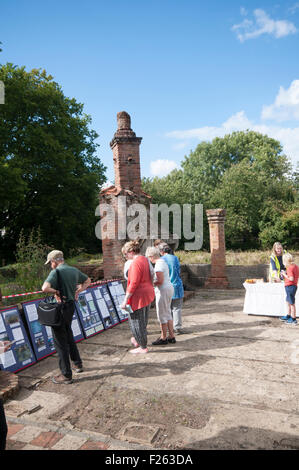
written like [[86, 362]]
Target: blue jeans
[[291, 292]]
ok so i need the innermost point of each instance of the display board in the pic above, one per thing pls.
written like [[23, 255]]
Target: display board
[[118, 294], [105, 305], [41, 336], [89, 314], [20, 355]]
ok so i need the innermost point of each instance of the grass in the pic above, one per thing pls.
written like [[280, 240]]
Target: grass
[[85, 259], [9, 286], [233, 258]]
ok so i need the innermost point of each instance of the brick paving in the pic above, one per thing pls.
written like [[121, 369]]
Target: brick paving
[[245, 367], [30, 437]]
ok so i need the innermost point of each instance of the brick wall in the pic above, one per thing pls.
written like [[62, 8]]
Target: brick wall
[[196, 275]]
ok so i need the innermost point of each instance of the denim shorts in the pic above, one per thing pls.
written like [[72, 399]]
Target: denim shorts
[[291, 292]]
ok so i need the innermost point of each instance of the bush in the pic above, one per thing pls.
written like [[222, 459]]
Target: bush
[[285, 229], [30, 255]]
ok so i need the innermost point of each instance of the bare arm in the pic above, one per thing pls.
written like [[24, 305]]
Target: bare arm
[[82, 287], [4, 346], [160, 279], [48, 289]]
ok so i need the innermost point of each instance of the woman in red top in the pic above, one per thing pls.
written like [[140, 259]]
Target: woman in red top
[[139, 295], [290, 284]]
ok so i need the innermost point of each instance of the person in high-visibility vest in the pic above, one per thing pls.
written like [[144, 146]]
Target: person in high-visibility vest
[[276, 263]]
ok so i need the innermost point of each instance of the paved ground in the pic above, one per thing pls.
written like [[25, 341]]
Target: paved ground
[[230, 382]]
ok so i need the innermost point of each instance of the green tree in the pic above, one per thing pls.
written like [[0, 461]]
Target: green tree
[[49, 154], [244, 172], [252, 201], [169, 189], [205, 167]]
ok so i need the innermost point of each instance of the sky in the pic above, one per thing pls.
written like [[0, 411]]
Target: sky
[[186, 71]]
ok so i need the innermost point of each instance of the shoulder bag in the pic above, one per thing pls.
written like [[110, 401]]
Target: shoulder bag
[[49, 312]]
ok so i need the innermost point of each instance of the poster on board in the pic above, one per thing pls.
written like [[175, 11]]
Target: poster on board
[[118, 294], [41, 336], [20, 355], [89, 314], [105, 305]]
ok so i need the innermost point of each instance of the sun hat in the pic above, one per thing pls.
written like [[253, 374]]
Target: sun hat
[[54, 255]]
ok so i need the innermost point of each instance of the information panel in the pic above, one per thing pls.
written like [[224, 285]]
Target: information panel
[[20, 355], [90, 316], [105, 305], [118, 294], [41, 336]]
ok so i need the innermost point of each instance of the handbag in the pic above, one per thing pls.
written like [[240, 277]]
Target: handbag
[[49, 312]]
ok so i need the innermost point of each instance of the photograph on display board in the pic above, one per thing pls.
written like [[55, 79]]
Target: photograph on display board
[[118, 294], [41, 335], [20, 355], [105, 305], [107, 297], [90, 316]]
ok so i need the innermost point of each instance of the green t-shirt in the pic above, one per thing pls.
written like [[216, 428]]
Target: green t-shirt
[[69, 277]]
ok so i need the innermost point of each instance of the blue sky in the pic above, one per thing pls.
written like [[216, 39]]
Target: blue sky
[[185, 70]]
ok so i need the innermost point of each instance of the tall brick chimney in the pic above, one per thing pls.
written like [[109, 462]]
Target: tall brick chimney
[[126, 158], [125, 148], [217, 279]]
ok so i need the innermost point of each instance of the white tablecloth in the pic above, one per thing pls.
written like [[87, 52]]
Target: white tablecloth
[[266, 298]]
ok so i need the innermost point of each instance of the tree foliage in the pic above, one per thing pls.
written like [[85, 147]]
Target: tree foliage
[[247, 174], [50, 173]]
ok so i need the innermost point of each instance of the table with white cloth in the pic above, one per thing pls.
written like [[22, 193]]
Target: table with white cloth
[[267, 298]]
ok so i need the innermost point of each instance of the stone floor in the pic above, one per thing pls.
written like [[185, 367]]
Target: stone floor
[[230, 382]]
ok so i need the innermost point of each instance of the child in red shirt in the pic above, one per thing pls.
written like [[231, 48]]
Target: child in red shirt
[[291, 276]]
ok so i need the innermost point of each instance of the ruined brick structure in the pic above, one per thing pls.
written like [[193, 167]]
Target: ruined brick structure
[[126, 158], [217, 279], [125, 147]]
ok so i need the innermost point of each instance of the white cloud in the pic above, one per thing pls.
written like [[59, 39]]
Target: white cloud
[[236, 122], [285, 106], [289, 137], [263, 24], [163, 167]]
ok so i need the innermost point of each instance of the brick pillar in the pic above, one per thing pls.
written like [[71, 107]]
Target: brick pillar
[[217, 279]]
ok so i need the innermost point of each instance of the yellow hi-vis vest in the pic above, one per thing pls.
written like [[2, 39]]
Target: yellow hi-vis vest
[[271, 270]]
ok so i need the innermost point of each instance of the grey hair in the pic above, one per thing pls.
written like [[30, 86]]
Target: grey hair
[[152, 251], [162, 247]]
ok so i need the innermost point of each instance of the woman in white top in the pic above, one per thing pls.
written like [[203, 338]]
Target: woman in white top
[[164, 292]]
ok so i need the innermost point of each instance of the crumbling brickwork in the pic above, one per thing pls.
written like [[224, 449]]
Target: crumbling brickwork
[[126, 157]]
